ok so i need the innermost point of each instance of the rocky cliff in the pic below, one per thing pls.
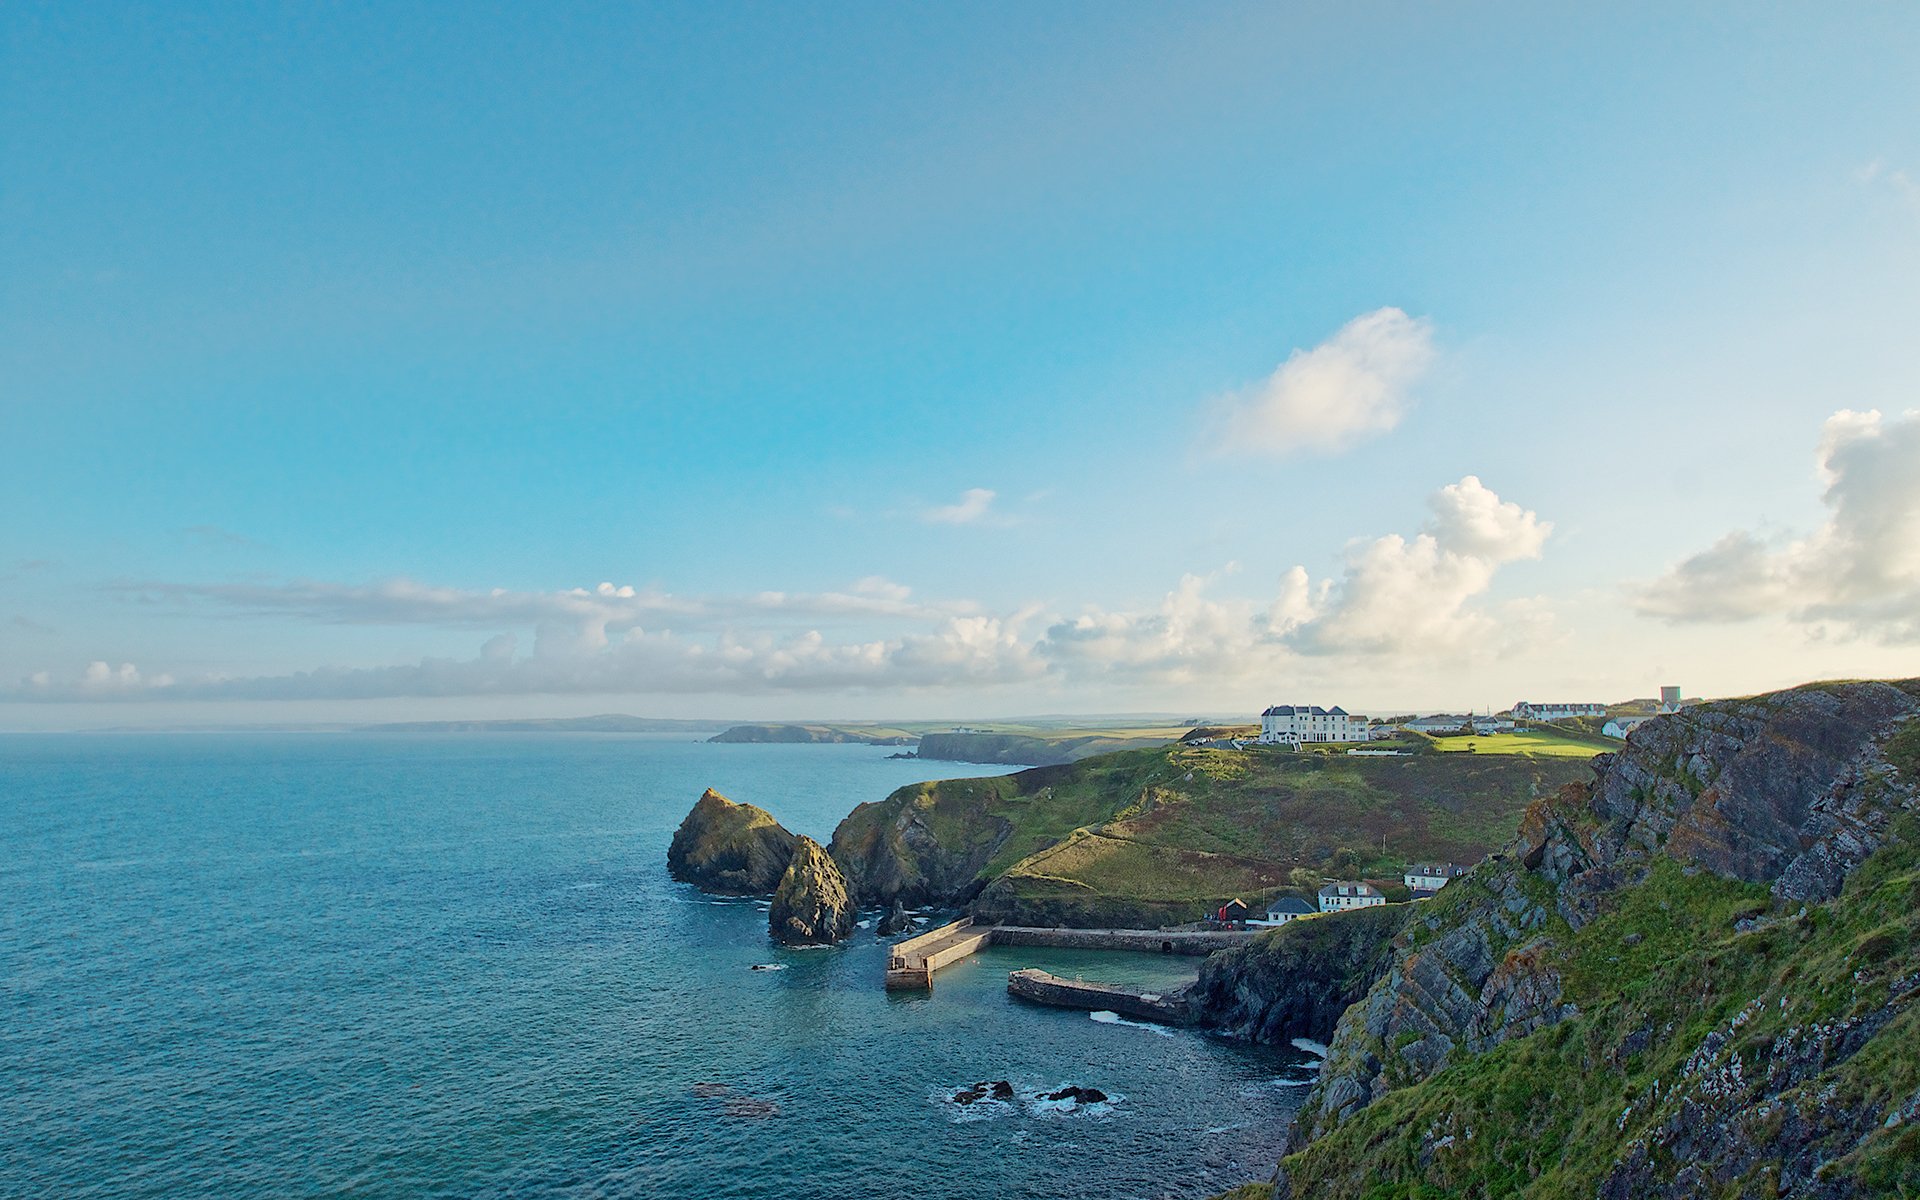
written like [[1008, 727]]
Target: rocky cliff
[[925, 844], [1297, 980], [1691, 977], [811, 906], [732, 848], [1025, 749], [810, 734]]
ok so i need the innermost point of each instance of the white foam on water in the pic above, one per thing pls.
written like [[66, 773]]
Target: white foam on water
[[984, 1109], [1106, 1017], [768, 967], [578, 886], [1312, 1047]]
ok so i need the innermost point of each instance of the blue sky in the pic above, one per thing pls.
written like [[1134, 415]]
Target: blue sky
[[323, 323]]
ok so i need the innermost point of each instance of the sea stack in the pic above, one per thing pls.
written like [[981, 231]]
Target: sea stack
[[811, 906], [736, 849]]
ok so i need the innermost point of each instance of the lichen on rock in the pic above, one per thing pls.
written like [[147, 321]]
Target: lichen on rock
[[734, 849], [811, 906]]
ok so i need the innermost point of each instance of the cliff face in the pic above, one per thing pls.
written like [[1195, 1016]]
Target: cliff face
[[1708, 1020], [925, 844], [811, 906], [1023, 749], [735, 849], [1297, 980], [808, 734]]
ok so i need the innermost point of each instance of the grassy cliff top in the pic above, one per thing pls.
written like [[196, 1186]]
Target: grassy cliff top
[[1182, 825]]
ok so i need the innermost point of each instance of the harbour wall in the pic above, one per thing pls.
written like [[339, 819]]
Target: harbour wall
[[1166, 1008]]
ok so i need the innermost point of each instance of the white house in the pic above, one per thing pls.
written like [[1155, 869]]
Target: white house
[[1292, 724], [1284, 910], [1337, 896], [1524, 711], [1429, 878], [1622, 726]]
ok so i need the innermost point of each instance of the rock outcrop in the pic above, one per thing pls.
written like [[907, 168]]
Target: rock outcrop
[[926, 844], [1791, 790], [1298, 979], [734, 849], [895, 921], [811, 906]]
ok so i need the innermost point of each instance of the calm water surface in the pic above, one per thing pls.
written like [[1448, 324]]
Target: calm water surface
[[400, 966]]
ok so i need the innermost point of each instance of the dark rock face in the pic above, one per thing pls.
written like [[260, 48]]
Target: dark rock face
[[889, 851], [894, 921], [1079, 1095], [1297, 980], [811, 906], [1730, 786], [734, 849], [1789, 788]]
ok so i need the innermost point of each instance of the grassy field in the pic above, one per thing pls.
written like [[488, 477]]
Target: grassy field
[[1183, 826], [1532, 742]]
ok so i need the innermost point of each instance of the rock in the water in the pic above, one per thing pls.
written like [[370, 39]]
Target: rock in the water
[[1079, 1095], [894, 921], [811, 907], [732, 848]]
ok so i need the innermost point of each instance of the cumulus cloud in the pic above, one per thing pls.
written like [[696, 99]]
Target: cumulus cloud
[[1398, 596], [973, 506], [1351, 387], [1398, 599], [1858, 575]]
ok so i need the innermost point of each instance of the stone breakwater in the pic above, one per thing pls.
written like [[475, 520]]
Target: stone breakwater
[[1143, 941], [1167, 1008]]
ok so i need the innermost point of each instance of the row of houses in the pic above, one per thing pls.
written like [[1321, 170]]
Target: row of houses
[[1423, 880]]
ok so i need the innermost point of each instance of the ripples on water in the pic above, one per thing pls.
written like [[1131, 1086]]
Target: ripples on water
[[397, 966]]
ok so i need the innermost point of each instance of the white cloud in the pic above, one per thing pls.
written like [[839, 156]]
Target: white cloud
[[1351, 387], [1400, 601], [1876, 174], [972, 507], [1858, 575], [881, 586]]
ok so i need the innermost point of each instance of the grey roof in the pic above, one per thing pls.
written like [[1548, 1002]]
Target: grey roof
[[1303, 710], [1289, 904], [1349, 888]]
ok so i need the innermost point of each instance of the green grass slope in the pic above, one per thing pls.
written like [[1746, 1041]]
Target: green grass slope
[[1163, 832], [1685, 1022]]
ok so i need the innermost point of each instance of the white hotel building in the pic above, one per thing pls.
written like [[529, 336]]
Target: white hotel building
[[1292, 724]]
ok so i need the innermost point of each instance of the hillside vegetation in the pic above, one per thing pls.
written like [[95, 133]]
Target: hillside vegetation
[[1159, 835], [1693, 977]]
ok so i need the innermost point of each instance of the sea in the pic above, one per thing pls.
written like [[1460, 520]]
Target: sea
[[454, 965]]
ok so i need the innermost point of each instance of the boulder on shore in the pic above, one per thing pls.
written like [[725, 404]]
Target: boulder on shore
[[736, 849], [811, 907]]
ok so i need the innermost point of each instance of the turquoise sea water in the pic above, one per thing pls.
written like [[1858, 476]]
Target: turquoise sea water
[[398, 966]]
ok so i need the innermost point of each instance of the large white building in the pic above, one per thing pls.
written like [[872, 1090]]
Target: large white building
[[1292, 724]]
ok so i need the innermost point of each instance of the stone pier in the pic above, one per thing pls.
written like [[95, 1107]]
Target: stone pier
[[911, 964]]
